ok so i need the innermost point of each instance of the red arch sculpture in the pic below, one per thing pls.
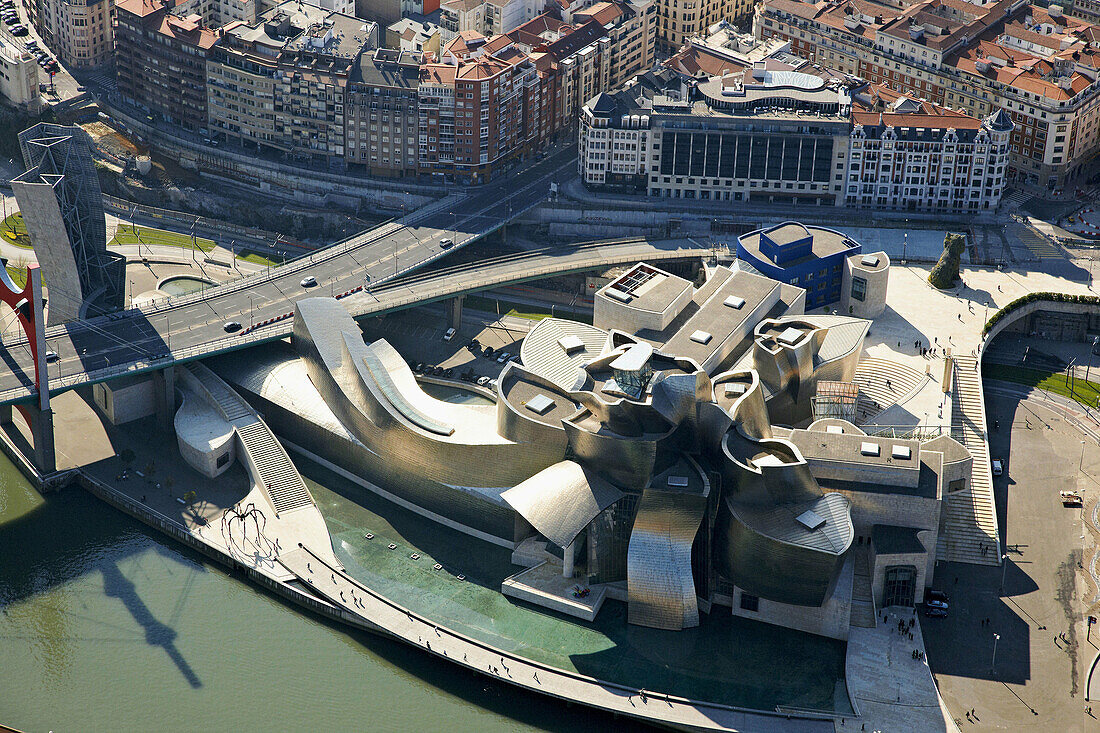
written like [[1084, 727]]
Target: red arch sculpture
[[22, 302]]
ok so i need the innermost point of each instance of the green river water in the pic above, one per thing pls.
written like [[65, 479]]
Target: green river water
[[106, 625]]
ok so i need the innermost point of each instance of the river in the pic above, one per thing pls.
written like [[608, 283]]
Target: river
[[108, 626]]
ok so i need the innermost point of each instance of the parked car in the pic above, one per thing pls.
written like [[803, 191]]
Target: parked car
[[482, 381], [446, 243], [232, 326], [503, 357], [51, 357], [931, 595], [308, 281], [935, 612], [998, 467], [450, 334]]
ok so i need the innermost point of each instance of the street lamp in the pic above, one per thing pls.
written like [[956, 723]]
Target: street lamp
[[251, 310], [1081, 462], [993, 662], [1004, 569]]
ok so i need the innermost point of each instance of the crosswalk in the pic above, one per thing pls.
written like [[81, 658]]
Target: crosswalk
[[1015, 199]]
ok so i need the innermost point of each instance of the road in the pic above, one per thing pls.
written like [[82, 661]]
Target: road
[[191, 327]]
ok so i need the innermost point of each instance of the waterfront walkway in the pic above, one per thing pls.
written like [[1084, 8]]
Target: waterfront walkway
[[361, 603]]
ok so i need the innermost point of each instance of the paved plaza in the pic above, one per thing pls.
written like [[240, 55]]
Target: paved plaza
[[1037, 680]]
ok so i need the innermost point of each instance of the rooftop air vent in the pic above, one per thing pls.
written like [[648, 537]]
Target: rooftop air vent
[[678, 481], [618, 295], [811, 520], [570, 344], [869, 449], [733, 389], [902, 452], [869, 261], [790, 336], [701, 337], [540, 404], [734, 301]]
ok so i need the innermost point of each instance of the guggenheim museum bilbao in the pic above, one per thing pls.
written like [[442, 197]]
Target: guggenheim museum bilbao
[[694, 451]]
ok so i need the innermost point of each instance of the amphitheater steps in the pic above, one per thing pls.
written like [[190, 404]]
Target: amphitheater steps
[[883, 383]]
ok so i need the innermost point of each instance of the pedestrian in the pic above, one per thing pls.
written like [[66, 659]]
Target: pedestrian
[[309, 568], [956, 580]]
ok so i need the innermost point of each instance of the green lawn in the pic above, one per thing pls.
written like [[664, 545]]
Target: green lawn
[[17, 275], [129, 234], [15, 231], [255, 258], [519, 310], [1087, 393]]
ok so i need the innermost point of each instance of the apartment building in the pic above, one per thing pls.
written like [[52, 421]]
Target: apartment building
[[478, 108], [598, 48], [279, 83], [19, 76], [487, 17], [417, 34], [217, 13], [774, 134], [1037, 64], [680, 20], [910, 154], [762, 134], [381, 113], [160, 62], [79, 32]]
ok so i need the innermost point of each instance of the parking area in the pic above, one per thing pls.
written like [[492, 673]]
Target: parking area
[[1015, 648]]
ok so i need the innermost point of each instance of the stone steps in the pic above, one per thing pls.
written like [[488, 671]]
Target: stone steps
[[969, 521], [277, 476], [883, 383]]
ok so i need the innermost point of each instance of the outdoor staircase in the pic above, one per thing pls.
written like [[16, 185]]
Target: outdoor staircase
[[863, 602], [278, 476], [872, 375], [274, 471], [969, 520]]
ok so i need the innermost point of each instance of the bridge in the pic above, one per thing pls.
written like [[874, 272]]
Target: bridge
[[162, 332], [109, 347]]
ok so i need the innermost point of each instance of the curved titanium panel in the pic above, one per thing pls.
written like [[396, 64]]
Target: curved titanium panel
[[769, 554], [561, 500], [660, 587]]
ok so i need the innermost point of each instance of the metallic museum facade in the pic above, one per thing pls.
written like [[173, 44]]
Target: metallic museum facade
[[667, 456]]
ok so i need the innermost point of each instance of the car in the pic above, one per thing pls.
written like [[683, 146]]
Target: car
[[492, 384], [482, 381], [931, 595], [308, 282], [503, 357], [445, 243], [935, 612], [51, 357], [232, 326], [513, 357], [449, 335], [998, 467]]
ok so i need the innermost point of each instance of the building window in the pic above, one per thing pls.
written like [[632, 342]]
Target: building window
[[859, 289], [749, 603], [898, 585]]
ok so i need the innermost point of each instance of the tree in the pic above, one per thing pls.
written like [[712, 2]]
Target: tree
[[127, 456], [946, 271]]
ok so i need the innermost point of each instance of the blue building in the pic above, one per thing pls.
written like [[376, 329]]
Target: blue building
[[809, 257]]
